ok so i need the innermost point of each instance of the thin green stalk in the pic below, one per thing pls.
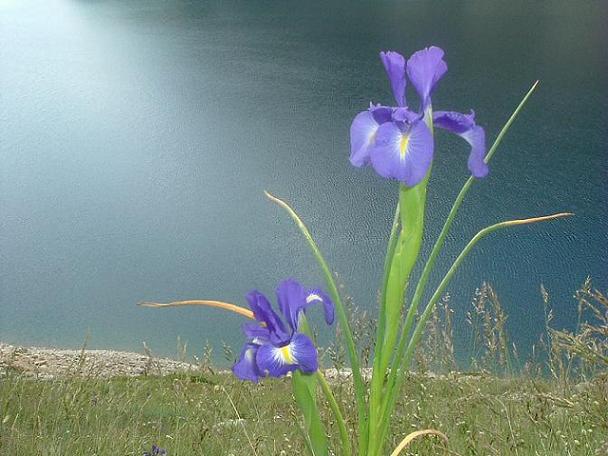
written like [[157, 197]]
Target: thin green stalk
[[428, 267], [390, 251], [342, 318], [335, 408], [418, 331], [305, 394], [377, 375]]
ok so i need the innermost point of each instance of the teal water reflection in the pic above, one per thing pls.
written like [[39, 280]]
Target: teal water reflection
[[136, 139]]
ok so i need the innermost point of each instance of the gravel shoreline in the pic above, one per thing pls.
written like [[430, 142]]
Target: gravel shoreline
[[48, 363]]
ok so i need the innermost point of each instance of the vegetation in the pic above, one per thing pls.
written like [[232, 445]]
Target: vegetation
[[557, 406]]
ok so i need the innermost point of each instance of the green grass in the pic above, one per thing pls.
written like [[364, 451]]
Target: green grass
[[213, 414], [555, 404]]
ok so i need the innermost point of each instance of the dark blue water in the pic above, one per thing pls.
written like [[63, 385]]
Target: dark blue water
[[136, 139]]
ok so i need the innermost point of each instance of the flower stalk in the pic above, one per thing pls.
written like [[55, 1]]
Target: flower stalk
[[335, 408]]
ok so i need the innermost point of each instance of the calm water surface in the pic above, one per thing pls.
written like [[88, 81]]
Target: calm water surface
[[137, 137]]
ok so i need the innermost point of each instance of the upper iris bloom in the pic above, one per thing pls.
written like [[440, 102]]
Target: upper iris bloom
[[398, 142], [275, 348]]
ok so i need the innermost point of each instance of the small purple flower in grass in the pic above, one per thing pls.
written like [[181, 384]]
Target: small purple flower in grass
[[275, 346], [398, 142], [156, 451]]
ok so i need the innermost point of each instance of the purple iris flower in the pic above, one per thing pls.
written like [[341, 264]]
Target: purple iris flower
[[274, 347], [156, 451], [398, 142]]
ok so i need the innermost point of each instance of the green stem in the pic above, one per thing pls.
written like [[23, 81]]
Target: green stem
[[335, 408], [377, 374], [305, 394], [428, 268], [390, 252], [342, 318]]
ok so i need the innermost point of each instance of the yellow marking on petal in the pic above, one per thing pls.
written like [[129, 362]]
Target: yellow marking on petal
[[405, 139], [249, 354], [372, 138], [313, 297], [219, 304], [287, 355]]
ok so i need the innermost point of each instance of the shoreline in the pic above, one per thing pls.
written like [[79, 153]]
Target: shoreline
[[49, 363]]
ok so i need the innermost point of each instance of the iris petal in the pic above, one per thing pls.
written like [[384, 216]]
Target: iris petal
[[394, 64], [425, 68], [305, 353], [464, 126], [403, 152], [455, 122], [256, 333], [363, 132], [274, 361], [246, 367], [381, 113], [291, 297], [476, 137], [317, 295], [277, 361], [263, 312], [405, 115], [362, 135]]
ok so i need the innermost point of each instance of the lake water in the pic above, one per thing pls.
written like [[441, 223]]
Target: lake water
[[137, 137]]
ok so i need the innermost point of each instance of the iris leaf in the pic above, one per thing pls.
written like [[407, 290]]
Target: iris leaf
[[304, 388], [377, 377], [412, 202], [333, 404]]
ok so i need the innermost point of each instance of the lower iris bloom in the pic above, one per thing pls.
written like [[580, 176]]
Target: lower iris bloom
[[398, 142], [274, 346]]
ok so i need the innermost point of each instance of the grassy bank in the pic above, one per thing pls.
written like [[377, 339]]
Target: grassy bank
[[555, 403], [213, 414]]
